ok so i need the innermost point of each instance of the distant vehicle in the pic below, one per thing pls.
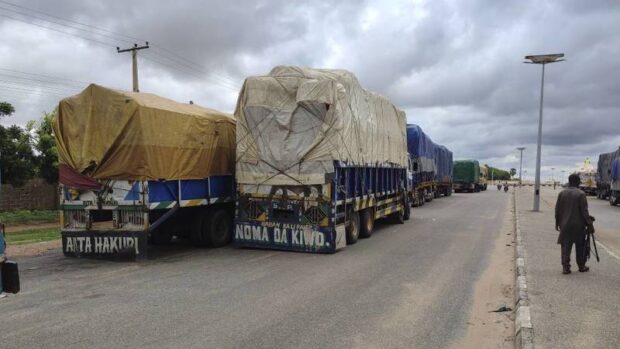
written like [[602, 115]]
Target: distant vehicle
[[614, 188], [587, 174], [484, 177], [430, 166], [603, 174], [137, 168], [467, 176], [319, 159]]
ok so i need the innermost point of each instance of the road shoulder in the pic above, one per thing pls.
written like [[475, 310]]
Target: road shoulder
[[494, 289]]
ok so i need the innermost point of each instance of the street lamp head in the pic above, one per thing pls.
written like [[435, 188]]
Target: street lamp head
[[544, 59], [521, 148]]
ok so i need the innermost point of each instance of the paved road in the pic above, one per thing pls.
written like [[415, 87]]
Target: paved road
[[408, 286]]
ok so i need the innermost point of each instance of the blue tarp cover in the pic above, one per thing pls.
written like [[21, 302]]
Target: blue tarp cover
[[615, 169], [433, 157]]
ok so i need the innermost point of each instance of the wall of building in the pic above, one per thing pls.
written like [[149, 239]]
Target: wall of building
[[37, 194]]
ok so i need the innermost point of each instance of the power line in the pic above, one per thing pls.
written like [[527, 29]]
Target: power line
[[43, 75], [59, 31], [41, 18], [31, 91], [25, 86], [175, 59], [72, 21], [21, 78]]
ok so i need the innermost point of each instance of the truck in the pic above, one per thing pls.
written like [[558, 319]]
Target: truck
[[484, 177], [430, 167], [467, 176], [319, 159], [136, 168], [445, 169], [603, 173], [614, 187], [587, 174]]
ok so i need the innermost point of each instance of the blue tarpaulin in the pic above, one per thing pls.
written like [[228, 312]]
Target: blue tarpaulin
[[435, 160], [615, 169]]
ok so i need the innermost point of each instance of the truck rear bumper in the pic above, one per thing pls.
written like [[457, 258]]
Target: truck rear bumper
[[289, 237], [105, 244]]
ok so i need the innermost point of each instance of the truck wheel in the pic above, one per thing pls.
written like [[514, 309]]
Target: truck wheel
[[367, 220], [219, 228], [398, 217], [612, 199], [353, 228], [196, 231], [407, 211]]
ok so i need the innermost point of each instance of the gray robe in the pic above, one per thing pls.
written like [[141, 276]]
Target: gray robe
[[571, 215]]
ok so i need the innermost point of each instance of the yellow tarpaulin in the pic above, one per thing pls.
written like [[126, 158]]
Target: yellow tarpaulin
[[111, 134]]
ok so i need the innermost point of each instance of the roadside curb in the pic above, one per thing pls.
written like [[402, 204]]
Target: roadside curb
[[524, 331]]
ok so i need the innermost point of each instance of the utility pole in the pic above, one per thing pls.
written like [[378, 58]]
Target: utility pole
[[134, 58], [520, 163]]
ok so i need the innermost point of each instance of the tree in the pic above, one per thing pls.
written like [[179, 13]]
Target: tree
[[6, 109], [17, 161], [45, 145], [513, 172]]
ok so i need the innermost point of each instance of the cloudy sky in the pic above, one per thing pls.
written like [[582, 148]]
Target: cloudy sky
[[455, 67]]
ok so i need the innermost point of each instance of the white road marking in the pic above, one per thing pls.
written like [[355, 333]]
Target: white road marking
[[598, 243]]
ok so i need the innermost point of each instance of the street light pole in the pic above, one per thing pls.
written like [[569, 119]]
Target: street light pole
[[520, 164], [543, 60]]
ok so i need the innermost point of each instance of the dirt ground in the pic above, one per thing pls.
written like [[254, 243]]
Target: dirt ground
[[34, 249], [488, 329]]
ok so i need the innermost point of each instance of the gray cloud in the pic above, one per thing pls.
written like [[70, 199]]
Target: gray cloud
[[455, 67]]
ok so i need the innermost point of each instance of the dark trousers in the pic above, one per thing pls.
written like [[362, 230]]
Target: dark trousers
[[579, 251]]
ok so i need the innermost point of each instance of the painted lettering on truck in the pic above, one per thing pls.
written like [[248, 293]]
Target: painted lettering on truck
[[282, 234]]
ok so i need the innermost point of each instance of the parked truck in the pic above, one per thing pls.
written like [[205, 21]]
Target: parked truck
[[430, 167], [603, 174], [467, 176], [443, 177], [137, 168], [484, 177], [614, 187], [587, 174], [319, 159]]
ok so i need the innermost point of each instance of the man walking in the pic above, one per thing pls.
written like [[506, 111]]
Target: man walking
[[571, 220]]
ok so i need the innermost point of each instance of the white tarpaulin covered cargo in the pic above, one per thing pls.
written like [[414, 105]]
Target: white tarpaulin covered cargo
[[294, 122]]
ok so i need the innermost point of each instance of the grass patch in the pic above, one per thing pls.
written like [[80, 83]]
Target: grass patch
[[32, 235], [29, 217]]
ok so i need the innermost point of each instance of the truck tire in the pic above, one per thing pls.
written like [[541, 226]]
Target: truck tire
[[219, 228], [398, 217], [613, 201], [367, 223], [407, 211], [197, 229], [353, 228]]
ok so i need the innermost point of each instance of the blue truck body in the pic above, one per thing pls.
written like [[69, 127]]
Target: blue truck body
[[603, 174], [292, 218], [430, 165], [614, 185], [122, 217]]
